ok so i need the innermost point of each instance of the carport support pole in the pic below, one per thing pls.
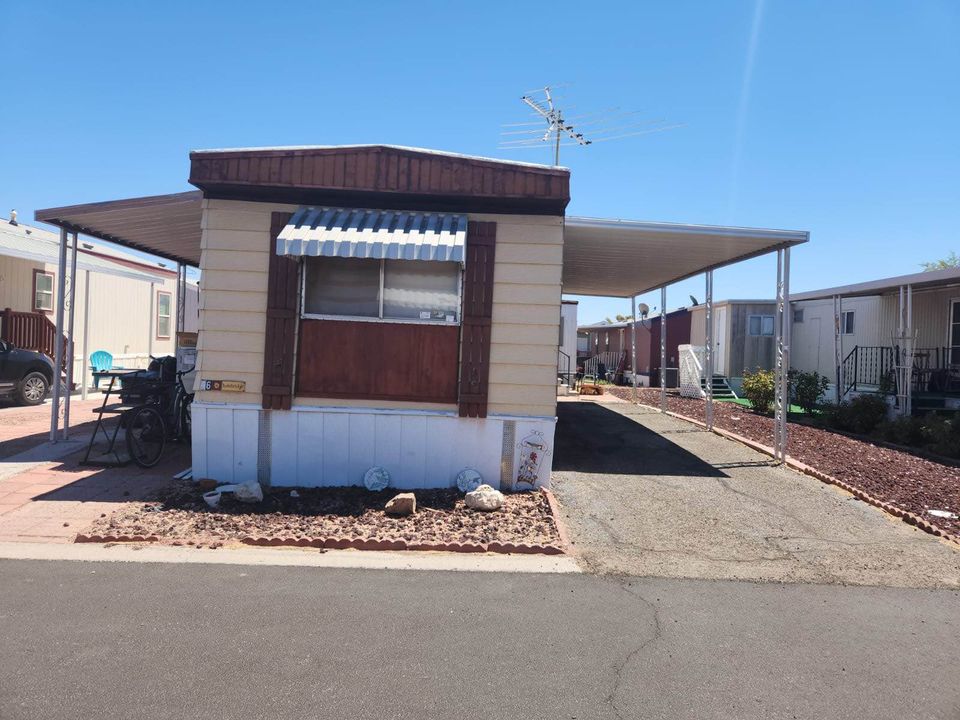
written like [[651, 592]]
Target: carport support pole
[[58, 352], [708, 349], [86, 334], [633, 348], [69, 349], [838, 344], [785, 318], [663, 349]]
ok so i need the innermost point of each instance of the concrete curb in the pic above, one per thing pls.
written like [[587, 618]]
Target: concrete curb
[[340, 543], [793, 464], [289, 557]]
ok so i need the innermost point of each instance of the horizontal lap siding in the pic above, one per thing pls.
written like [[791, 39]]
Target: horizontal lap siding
[[526, 305], [235, 260], [526, 315]]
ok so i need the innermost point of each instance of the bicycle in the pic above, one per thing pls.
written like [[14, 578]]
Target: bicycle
[[160, 418]]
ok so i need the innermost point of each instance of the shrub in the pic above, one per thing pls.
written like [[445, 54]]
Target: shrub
[[941, 434], [902, 431], [861, 415], [758, 388], [806, 388]]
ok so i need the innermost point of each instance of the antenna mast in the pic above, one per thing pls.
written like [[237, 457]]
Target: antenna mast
[[606, 125], [556, 126]]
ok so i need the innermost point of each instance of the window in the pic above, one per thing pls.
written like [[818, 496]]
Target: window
[[164, 313], [42, 291], [846, 322], [798, 316], [954, 332], [403, 290], [760, 325]]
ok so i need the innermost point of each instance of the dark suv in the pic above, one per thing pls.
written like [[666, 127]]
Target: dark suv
[[24, 374]]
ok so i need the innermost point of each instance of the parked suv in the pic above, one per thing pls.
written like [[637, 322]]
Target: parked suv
[[25, 375]]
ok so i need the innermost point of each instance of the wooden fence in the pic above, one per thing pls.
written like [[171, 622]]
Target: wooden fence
[[32, 331]]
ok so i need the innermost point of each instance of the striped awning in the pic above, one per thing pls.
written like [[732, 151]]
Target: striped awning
[[377, 234]]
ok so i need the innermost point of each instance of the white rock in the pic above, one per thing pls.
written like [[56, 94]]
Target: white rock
[[484, 498]]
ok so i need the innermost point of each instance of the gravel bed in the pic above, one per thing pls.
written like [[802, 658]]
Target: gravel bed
[[180, 517], [910, 483]]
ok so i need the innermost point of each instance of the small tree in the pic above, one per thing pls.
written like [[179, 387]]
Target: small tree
[[758, 388], [806, 388], [950, 261]]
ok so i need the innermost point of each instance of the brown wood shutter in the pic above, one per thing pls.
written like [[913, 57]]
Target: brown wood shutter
[[477, 311], [279, 347]]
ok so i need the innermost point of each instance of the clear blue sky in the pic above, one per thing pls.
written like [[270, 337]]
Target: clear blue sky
[[837, 118]]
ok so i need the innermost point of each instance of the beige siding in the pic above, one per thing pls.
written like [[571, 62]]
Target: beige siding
[[121, 320], [526, 309]]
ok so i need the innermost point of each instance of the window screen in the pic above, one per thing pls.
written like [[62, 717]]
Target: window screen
[[44, 294], [760, 325], [342, 286], [421, 290], [847, 322], [164, 302]]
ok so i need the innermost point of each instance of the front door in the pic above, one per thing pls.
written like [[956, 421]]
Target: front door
[[720, 341]]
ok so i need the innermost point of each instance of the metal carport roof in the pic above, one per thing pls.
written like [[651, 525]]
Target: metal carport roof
[[623, 258], [605, 257]]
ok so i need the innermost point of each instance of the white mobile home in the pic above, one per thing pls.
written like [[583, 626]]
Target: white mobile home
[[860, 335]]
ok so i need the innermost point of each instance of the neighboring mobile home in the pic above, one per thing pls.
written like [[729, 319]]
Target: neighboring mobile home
[[857, 335], [124, 305], [744, 338], [612, 343]]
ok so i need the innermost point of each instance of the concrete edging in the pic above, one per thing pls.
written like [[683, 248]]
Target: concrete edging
[[793, 464]]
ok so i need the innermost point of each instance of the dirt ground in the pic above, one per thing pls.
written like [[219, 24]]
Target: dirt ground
[[643, 493]]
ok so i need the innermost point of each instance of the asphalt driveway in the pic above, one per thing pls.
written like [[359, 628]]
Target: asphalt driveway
[[647, 494]]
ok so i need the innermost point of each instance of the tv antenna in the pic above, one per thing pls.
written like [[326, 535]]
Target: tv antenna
[[562, 131]]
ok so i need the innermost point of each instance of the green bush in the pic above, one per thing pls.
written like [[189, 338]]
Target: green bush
[[861, 415], [941, 434], [903, 431], [758, 388], [806, 388]]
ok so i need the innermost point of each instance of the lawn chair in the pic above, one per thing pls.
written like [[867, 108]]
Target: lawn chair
[[100, 362]]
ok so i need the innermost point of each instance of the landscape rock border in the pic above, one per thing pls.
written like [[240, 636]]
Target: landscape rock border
[[904, 515], [340, 543]]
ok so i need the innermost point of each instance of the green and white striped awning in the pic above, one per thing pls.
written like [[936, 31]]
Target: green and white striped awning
[[376, 234]]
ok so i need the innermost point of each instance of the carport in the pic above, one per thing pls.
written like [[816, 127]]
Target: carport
[[625, 258], [602, 257]]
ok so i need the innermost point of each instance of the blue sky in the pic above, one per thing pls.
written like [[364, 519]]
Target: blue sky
[[837, 118]]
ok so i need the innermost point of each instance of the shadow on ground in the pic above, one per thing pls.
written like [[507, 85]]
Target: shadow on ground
[[591, 438]]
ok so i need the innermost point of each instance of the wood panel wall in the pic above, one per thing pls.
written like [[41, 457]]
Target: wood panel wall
[[378, 361]]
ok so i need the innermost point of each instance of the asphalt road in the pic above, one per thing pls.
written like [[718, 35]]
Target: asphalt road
[[131, 640]]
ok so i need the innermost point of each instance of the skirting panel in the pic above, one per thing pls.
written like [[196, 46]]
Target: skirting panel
[[321, 447]]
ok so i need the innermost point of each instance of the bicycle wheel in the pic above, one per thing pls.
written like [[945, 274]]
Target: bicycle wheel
[[146, 435], [186, 420]]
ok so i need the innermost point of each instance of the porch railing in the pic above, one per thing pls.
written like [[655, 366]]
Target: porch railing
[[872, 368], [31, 331]]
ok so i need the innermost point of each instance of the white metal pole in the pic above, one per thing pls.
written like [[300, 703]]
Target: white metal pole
[[69, 343], [58, 353], [778, 363], [838, 344], [708, 350], [908, 371], [899, 353], [785, 334], [153, 298], [86, 334], [663, 349], [633, 347]]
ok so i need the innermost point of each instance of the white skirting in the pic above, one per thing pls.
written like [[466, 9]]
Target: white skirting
[[331, 446]]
